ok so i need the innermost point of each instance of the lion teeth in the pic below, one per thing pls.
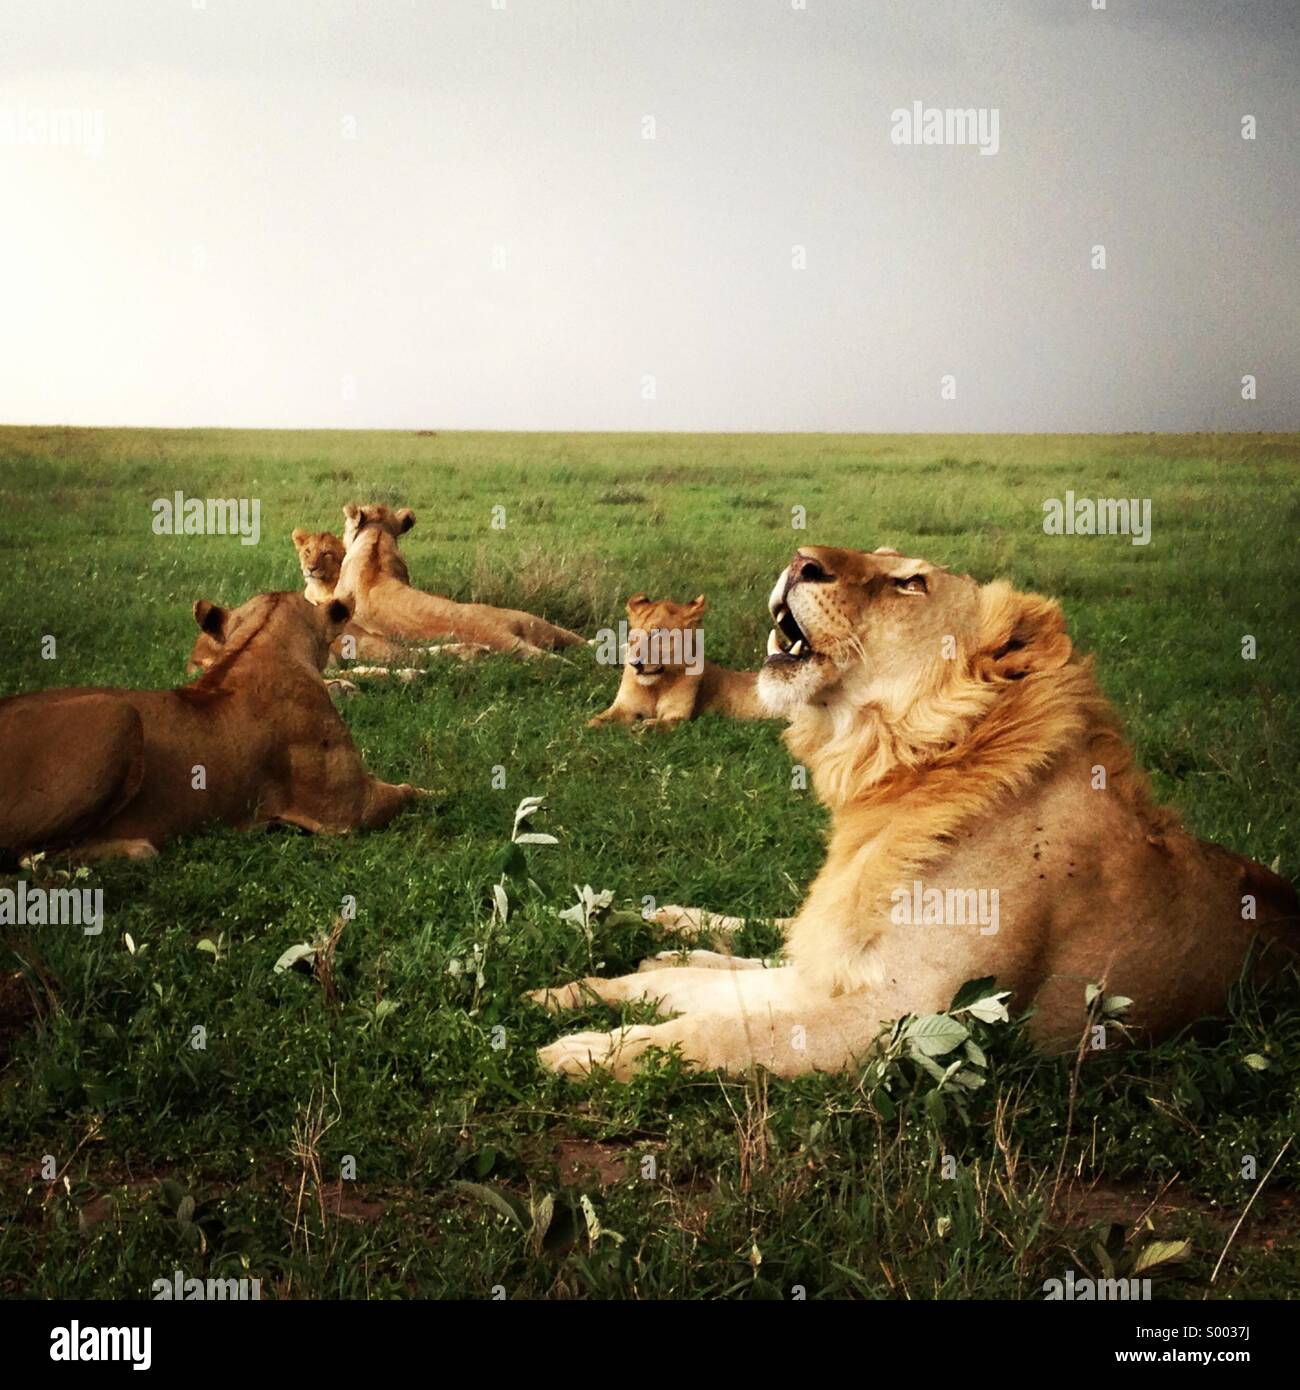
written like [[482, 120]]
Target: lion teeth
[[797, 649], [773, 644]]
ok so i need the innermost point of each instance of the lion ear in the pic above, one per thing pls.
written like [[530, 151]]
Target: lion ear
[[299, 535], [339, 611], [698, 604], [1021, 634], [405, 520], [351, 511], [209, 617], [637, 602]]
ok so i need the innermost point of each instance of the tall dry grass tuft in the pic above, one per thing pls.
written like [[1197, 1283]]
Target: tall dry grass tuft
[[326, 945], [309, 1130], [576, 589], [752, 1127]]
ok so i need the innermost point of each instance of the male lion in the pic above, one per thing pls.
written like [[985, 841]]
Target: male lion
[[117, 772], [961, 746], [375, 575], [665, 677]]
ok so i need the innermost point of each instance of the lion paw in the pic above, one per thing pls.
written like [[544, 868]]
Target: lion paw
[[682, 919], [700, 960], [556, 998], [580, 1054], [116, 849]]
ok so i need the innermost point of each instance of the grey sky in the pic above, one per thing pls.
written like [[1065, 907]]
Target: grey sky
[[499, 246]]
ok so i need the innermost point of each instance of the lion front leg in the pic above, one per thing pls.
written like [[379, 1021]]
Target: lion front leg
[[793, 1041], [673, 989], [618, 1052], [694, 921], [712, 984], [329, 792], [683, 958], [631, 703], [727, 1019], [613, 715], [705, 1043], [384, 800], [675, 706], [114, 849]]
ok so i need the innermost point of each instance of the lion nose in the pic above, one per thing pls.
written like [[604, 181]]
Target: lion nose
[[805, 567]]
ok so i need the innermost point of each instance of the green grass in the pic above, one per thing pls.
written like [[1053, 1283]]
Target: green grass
[[758, 1185]]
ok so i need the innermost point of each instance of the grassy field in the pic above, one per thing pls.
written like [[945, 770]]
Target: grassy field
[[422, 1066]]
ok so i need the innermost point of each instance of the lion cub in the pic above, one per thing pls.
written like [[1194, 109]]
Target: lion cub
[[665, 677]]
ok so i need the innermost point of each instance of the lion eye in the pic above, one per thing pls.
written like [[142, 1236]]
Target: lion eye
[[913, 584]]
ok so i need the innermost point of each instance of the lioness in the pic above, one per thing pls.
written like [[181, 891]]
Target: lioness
[[375, 575], [320, 557], [961, 746], [665, 677], [255, 738]]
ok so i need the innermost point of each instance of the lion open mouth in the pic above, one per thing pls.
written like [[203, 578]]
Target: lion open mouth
[[787, 641]]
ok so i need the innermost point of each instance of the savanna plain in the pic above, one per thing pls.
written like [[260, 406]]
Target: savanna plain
[[379, 1125]]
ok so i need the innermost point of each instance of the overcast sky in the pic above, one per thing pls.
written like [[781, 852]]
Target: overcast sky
[[441, 213]]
